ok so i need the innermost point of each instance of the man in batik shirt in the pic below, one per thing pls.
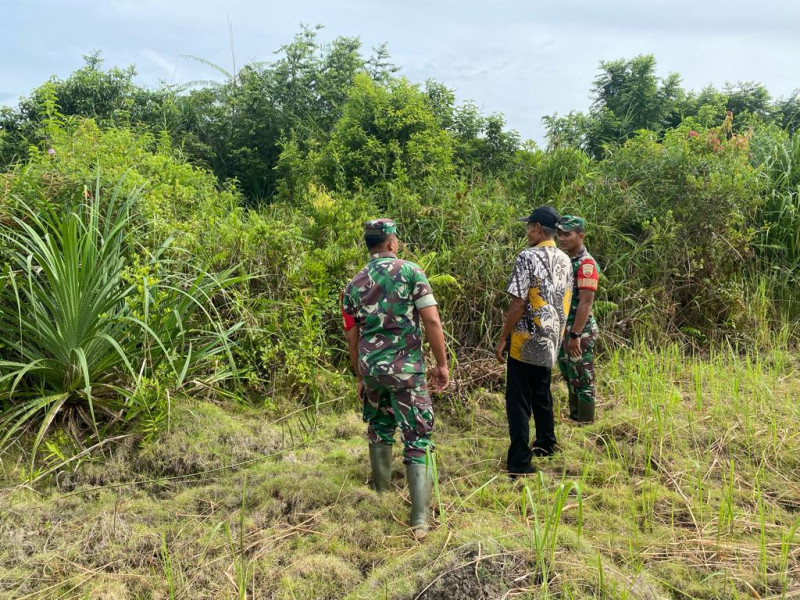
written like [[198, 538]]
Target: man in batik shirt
[[576, 357], [382, 308], [540, 288]]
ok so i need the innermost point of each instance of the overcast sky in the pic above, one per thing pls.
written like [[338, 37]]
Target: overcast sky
[[525, 59]]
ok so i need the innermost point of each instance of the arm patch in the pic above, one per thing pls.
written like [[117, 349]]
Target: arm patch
[[588, 275], [348, 319]]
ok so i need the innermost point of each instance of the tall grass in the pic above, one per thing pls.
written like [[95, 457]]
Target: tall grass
[[544, 532], [781, 214], [782, 210]]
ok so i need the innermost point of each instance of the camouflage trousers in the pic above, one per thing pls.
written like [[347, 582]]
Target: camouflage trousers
[[579, 374], [392, 400]]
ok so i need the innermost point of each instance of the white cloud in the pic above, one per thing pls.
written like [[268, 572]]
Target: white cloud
[[168, 67]]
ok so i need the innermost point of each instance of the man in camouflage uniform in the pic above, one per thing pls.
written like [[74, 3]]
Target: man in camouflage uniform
[[576, 357], [382, 307], [540, 287]]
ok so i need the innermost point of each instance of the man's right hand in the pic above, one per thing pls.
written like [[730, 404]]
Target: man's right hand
[[500, 348], [439, 378]]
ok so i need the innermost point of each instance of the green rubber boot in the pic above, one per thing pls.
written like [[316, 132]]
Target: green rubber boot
[[573, 406], [585, 412], [420, 481], [380, 459]]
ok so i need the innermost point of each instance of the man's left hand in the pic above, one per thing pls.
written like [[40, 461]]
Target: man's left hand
[[574, 347], [439, 378]]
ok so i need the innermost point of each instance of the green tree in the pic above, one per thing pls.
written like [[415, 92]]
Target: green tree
[[787, 112], [442, 101], [288, 106], [748, 98], [638, 99], [385, 133], [108, 96], [708, 107], [627, 96], [482, 144]]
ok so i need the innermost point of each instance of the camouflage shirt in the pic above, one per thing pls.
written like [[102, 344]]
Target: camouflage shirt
[[586, 274], [384, 300], [543, 276]]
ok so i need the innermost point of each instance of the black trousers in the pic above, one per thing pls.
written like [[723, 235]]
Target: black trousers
[[528, 393]]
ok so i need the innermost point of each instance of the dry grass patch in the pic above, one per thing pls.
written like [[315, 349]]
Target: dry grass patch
[[686, 486]]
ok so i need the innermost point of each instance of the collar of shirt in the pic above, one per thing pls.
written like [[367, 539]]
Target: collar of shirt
[[382, 255], [580, 253], [546, 244]]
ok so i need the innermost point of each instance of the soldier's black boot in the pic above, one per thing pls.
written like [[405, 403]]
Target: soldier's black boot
[[573, 406], [420, 480], [380, 460], [585, 412]]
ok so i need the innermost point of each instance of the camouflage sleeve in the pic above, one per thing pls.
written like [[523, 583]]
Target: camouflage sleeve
[[348, 314], [587, 275], [421, 290], [520, 281]]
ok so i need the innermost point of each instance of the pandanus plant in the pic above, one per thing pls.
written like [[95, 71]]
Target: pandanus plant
[[77, 333]]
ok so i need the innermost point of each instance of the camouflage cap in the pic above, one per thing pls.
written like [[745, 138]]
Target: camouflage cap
[[571, 223], [378, 227]]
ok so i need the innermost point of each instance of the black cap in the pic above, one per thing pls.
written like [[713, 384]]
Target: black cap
[[547, 216]]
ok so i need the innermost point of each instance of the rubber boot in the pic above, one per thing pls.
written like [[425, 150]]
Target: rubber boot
[[585, 412], [420, 480], [380, 460], [573, 406]]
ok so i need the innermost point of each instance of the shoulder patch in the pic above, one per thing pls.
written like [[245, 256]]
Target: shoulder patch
[[587, 278]]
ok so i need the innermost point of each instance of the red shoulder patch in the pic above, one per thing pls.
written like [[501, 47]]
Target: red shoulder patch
[[348, 320], [588, 275]]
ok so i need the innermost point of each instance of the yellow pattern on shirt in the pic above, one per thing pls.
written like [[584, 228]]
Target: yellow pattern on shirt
[[536, 305]]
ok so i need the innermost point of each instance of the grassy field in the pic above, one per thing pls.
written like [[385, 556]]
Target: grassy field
[[687, 486]]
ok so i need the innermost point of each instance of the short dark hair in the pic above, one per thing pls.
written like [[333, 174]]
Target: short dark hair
[[373, 241], [548, 231]]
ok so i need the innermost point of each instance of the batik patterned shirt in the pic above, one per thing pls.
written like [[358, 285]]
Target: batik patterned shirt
[[543, 276], [384, 300]]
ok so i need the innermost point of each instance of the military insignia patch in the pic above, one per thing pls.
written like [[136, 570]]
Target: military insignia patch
[[588, 270]]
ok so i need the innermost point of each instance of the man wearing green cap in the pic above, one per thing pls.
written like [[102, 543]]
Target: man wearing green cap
[[382, 307], [576, 356]]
